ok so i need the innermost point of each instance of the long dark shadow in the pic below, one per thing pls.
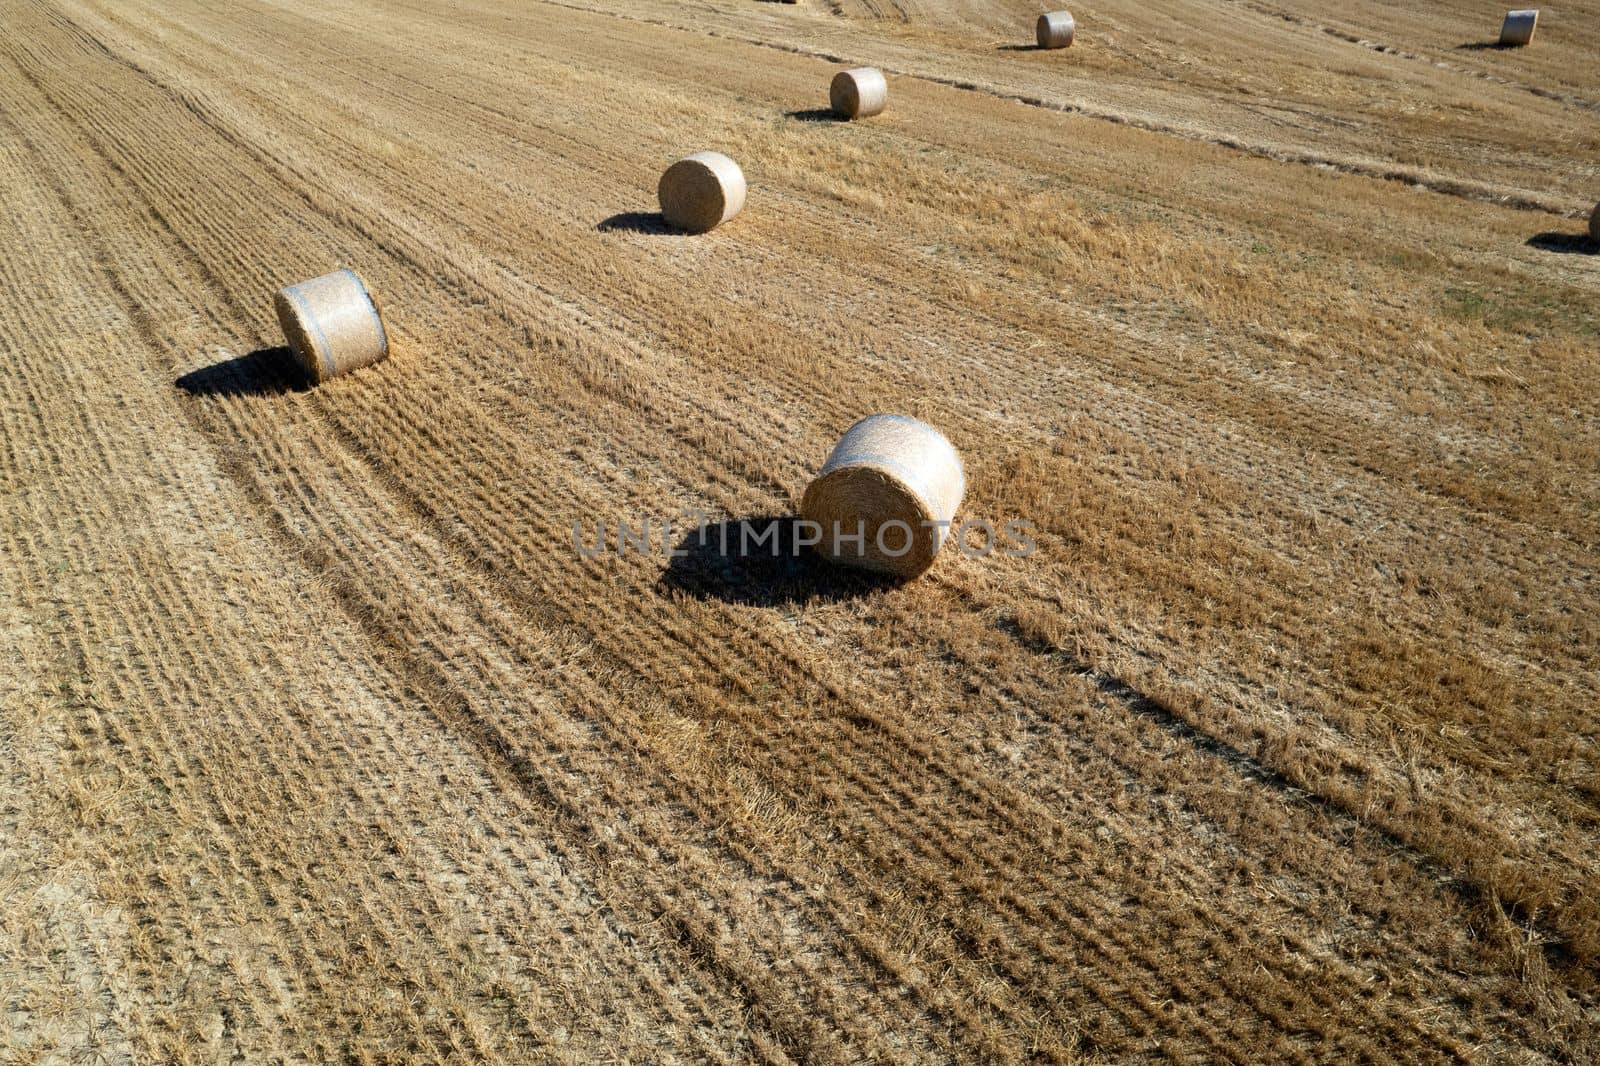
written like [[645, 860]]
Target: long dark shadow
[[1564, 243], [263, 372], [649, 222], [758, 562], [815, 114]]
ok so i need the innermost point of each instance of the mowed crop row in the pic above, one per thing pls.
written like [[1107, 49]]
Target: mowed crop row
[[1279, 746]]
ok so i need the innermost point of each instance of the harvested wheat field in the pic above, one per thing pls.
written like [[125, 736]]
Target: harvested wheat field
[[324, 738]]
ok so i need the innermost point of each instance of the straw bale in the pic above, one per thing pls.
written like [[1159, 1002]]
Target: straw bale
[[701, 192], [859, 93], [895, 480], [1054, 29], [333, 324], [1517, 30]]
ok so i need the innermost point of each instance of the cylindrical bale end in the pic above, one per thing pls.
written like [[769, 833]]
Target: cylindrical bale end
[[885, 498], [1594, 224], [701, 192], [333, 325], [859, 93], [1054, 29], [1517, 30]]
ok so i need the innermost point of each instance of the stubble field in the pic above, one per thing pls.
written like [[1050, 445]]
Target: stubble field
[[319, 741]]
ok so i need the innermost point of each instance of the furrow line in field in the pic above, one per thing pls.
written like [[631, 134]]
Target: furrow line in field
[[1460, 188], [1565, 99]]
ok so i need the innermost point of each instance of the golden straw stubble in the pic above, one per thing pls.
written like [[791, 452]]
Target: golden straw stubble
[[858, 93], [333, 324], [895, 480], [701, 192]]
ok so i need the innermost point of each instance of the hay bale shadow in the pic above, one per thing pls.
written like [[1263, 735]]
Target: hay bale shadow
[[1564, 243], [1484, 46], [756, 562], [1020, 48], [650, 222], [815, 114], [263, 372]]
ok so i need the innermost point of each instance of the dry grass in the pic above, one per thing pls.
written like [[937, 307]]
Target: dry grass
[[318, 741]]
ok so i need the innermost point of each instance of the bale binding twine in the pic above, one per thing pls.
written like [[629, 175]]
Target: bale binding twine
[[1054, 29], [333, 324], [701, 192], [897, 482], [1517, 30], [858, 93]]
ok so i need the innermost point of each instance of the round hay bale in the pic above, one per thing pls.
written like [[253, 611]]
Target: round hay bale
[[701, 192], [894, 480], [859, 93], [1517, 30], [1594, 224], [333, 324], [1054, 29]]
